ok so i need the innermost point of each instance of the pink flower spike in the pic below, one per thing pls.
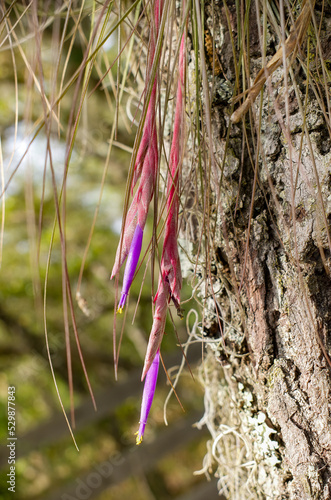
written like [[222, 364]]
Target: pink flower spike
[[131, 264], [170, 281], [159, 320], [148, 395]]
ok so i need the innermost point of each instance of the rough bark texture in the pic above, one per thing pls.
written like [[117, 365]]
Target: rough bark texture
[[266, 376]]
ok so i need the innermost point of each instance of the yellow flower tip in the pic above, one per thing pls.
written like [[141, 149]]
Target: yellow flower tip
[[139, 438], [180, 313], [120, 310]]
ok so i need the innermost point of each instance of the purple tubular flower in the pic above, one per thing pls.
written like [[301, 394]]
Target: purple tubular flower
[[131, 264], [148, 395]]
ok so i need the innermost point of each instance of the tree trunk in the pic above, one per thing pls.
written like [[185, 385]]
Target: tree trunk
[[266, 266]]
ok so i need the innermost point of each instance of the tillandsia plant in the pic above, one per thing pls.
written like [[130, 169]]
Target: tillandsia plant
[[255, 224], [170, 279], [146, 167]]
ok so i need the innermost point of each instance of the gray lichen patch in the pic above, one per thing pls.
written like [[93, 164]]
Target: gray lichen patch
[[243, 449]]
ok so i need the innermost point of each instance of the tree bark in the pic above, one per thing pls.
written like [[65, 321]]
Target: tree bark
[[266, 268]]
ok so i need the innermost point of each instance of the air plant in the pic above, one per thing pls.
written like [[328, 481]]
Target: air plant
[[261, 212], [145, 168], [170, 279]]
